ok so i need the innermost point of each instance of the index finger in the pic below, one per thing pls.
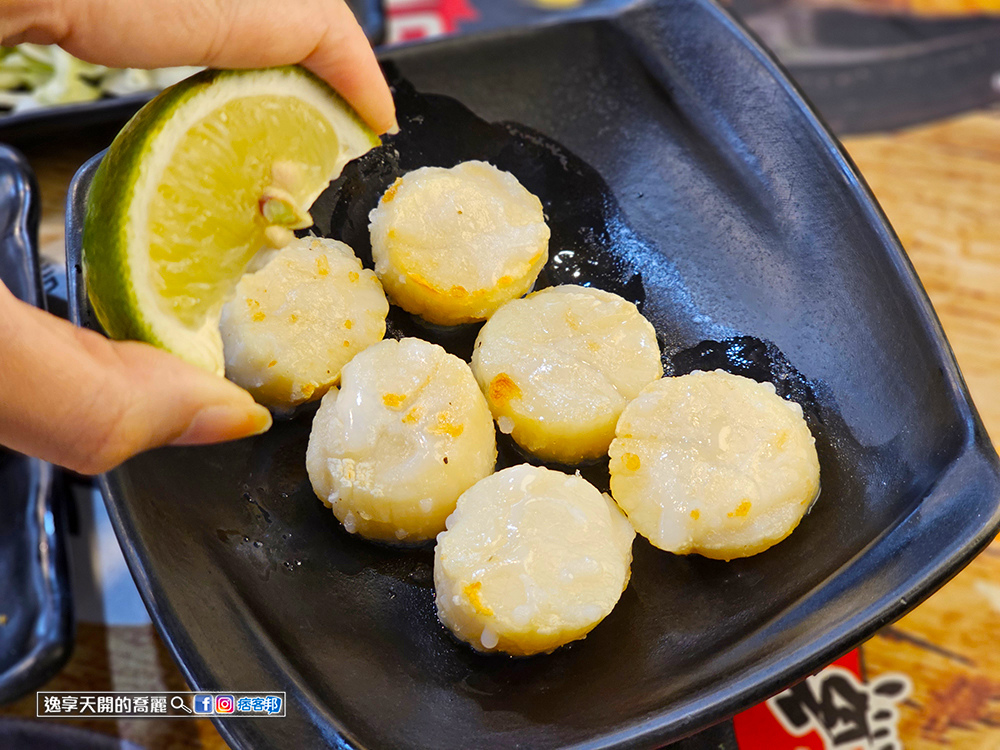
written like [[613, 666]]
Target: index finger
[[346, 61]]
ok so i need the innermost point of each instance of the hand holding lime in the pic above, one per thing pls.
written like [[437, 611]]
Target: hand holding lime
[[204, 176]]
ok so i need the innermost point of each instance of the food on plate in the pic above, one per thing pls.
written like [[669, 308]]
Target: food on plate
[[204, 176], [40, 75], [292, 325], [407, 432], [558, 367], [453, 245], [532, 559], [715, 464]]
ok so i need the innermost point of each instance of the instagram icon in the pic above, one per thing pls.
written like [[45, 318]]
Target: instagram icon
[[224, 704]]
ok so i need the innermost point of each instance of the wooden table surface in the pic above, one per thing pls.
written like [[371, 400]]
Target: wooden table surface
[[940, 186]]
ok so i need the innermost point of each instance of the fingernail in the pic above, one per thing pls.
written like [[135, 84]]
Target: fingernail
[[394, 128], [216, 424]]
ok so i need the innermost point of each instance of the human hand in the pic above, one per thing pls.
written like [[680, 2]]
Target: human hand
[[322, 35], [71, 396], [77, 399]]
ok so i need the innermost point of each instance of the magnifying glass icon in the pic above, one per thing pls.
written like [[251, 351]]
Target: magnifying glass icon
[[177, 703]]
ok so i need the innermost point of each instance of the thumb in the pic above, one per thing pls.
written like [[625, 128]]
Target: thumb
[[75, 398]]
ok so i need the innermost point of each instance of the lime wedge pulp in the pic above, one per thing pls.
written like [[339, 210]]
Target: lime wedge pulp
[[204, 176]]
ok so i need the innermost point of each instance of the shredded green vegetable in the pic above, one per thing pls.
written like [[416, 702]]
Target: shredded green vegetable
[[35, 75]]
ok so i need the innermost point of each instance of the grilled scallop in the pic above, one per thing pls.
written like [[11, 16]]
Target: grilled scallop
[[292, 325], [715, 464], [407, 432], [558, 367], [532, 559], [452, 245]]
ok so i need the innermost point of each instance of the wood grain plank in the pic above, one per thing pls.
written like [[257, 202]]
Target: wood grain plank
[[940, 187]]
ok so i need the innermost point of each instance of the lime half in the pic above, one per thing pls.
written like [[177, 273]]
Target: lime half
[[202, 178]]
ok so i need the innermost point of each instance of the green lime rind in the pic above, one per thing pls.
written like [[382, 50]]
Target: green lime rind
[[105, 239], [105, 259]]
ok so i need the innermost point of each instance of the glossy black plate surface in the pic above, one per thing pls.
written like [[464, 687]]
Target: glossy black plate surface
[[36, 627], [678, 166]]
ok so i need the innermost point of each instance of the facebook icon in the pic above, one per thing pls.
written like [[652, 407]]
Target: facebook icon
[[204, 704]]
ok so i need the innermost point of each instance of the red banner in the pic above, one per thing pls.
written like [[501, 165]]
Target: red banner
[[409, 20], [835, 709]]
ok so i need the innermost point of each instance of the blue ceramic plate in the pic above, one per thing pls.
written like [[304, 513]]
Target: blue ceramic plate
[[36, 628]]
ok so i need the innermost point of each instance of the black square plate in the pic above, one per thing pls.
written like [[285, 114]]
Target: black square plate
[[678, 165]]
